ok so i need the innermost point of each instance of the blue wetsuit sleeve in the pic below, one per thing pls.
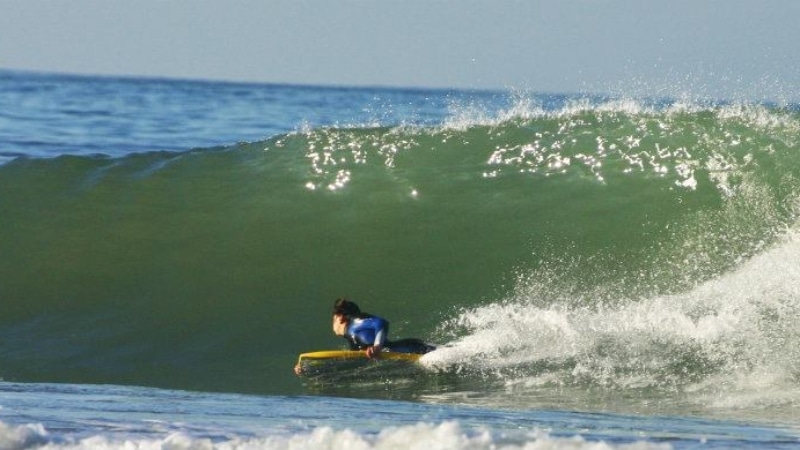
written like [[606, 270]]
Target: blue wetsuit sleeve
[[381, 330], [380, 333]]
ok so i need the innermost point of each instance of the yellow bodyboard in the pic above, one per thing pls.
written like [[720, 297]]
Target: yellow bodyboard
[[355, 354]]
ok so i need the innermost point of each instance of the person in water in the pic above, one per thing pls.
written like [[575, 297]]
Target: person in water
[[368, 332], [363, 331]]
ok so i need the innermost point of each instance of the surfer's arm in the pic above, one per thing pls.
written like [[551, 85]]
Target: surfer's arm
[[381, 329], [376, 347], [380, 337]]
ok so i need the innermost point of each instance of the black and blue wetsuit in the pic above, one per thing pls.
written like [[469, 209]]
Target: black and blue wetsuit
[[366, 331]]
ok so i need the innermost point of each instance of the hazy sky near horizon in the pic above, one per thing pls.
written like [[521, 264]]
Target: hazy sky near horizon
[[707, 48]]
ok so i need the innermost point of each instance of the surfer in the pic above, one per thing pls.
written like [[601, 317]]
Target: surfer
[[363, 331], [368, 332]]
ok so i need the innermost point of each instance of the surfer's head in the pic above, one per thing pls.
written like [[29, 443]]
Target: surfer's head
[[343, 311], [345, 307]]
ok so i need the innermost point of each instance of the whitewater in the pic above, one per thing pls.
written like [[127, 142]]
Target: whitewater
[[597, 271]]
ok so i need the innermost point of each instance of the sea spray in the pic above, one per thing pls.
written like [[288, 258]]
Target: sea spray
[[729, 342]]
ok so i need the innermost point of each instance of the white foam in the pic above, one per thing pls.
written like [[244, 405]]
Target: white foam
[[22, 436], [422, 436], [527, 106], [735, 338]]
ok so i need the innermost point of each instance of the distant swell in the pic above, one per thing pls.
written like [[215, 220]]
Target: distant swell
[[598, 229]]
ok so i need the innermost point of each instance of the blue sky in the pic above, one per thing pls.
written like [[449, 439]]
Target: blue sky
[[722, 48]]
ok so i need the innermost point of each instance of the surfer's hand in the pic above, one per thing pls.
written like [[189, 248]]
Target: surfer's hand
[[298, 369], [374, 351]]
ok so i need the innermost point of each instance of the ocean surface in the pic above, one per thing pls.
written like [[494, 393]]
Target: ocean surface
[[597, 271]]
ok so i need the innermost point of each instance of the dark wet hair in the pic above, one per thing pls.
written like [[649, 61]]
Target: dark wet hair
[[346, 308]]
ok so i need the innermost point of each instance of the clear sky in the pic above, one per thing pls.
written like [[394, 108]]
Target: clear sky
[[707, 48]]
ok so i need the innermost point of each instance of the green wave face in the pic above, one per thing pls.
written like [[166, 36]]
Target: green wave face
[[213, 268]]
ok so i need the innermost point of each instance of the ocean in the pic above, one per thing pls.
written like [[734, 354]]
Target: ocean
[[597, 271]]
